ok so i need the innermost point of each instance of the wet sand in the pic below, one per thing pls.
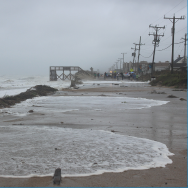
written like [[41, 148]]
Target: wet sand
[[166, 124]]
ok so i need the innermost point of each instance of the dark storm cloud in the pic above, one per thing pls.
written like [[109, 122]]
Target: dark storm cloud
[[35, 34]]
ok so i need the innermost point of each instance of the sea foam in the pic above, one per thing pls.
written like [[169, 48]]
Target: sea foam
[[61, 104], [37, 151]]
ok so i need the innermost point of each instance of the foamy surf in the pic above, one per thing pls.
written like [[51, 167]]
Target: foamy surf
[[62, 104], [37, 151], [15, 85]]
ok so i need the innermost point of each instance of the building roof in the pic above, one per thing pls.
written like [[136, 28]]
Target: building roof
[[178, 59]]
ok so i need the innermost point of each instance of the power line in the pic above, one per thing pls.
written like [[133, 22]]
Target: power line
[[146, 49], [181, 9], [170, 36], [164, 48], [175, 6], [162, 17], [147, 57], [181, 29], [178, 42], [168, 12], [181, 50], [149, 48], [177, 50], [178, 10], [144, 31], [165, 39], [169, 46]]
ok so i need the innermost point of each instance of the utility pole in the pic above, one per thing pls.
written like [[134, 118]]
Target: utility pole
[[155, 42], [185, 40], [134, 54], [173, 32], [138, 49], [123, 59]]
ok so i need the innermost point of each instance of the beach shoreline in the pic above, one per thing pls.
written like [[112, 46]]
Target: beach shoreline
[[169, 126]]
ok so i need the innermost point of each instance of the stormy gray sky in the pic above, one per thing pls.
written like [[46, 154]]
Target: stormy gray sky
[[36, 34]]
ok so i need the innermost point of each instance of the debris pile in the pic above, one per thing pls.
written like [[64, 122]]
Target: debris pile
[[172, 96], [155, 92], [182, 99]]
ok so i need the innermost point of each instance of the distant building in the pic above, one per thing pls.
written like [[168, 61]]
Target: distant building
[[144, 67], [162, 66], [157, 66], [118, 70], [125, 67], [143, 62]]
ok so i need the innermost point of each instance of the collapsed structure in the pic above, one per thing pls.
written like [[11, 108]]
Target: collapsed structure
[[68, 72]]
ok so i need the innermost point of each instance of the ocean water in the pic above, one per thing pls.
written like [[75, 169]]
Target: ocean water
[[38, 150], [16, 85]]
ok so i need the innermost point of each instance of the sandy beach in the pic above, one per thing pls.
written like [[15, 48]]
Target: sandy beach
[[92, 94], [166, 124]]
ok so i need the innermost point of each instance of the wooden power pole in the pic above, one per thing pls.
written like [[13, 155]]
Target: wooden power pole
[[173, 20], [155, 42], [134, 55], [138, 50]]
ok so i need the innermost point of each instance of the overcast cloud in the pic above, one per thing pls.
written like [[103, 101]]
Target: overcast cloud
[[36, 34]]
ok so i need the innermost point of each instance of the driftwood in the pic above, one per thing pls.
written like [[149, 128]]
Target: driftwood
[[57, 176]]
